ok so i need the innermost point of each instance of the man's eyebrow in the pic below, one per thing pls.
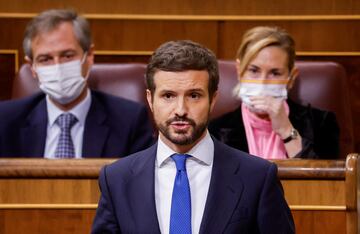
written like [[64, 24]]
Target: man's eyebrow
[[196, 90], [167, 91], [67, 51], [42, 55]]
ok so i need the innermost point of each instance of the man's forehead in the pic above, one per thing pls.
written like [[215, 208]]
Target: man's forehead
[[55, 41], [184, 81], [188, 75]]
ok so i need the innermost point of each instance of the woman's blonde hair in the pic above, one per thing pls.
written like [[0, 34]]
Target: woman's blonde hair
[[256, 39]]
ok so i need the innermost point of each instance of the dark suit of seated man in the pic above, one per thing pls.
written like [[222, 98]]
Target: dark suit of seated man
[[69, 120], [189, 182]]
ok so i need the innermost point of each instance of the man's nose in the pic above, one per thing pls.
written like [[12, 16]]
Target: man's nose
[[57, 60], [181, 107]]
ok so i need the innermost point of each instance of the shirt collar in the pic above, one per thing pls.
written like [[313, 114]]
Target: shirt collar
[[203, 151], [79, 111]]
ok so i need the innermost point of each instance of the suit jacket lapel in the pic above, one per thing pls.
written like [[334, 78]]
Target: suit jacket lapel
[[33, 133], [142, 192], [96, 131], [224, 192]]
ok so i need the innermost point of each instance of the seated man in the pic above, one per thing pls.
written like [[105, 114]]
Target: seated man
[[68, 120]]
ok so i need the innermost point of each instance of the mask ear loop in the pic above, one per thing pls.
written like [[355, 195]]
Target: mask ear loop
[[84, 57], [82, 62], [33, 66], [34, 70]]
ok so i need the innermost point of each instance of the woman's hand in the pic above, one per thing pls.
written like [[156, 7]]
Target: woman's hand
[[274, 109]]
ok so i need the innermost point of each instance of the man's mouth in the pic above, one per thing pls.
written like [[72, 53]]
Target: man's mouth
[[180, 125]]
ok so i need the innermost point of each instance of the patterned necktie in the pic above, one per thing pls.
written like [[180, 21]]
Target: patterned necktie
[[180, 217], [65, 147]]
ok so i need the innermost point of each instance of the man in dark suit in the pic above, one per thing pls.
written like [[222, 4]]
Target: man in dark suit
[[189, 182], [68, 120]]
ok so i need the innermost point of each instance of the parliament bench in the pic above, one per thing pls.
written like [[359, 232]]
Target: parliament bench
[[61, 196]]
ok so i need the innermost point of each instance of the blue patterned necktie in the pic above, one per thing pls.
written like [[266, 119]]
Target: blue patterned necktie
[[180, 217], [65, 147]]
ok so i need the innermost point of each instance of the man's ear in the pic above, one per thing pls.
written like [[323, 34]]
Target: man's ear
[[89, 61], [149, 99], [213, 100], [30, 62], [90, 55], [293, 75]]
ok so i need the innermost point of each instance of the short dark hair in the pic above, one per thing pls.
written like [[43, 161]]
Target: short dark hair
[[50, 20], [183, 55]]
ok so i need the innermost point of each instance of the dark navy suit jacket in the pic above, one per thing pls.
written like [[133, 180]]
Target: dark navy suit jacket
[[114, 127], [245, 196]]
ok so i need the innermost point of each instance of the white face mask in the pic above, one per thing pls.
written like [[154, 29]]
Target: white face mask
[[62, 82], [274, 88]]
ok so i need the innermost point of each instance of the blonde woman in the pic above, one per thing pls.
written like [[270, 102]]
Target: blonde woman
[[268, 124]]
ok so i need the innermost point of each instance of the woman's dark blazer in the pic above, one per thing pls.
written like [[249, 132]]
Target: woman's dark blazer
[[319, 131]]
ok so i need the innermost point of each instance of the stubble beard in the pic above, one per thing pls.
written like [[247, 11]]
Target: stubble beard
[[183, 137]]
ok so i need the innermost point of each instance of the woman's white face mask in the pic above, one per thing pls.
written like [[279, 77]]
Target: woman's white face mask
[[62, 82], [276, 88]]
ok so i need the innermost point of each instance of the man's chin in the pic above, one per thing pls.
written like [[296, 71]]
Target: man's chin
[[180, 138], [180, 132], [182, 141]]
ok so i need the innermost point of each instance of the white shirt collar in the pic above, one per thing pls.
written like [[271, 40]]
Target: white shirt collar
[[203, 151], [80, 110]]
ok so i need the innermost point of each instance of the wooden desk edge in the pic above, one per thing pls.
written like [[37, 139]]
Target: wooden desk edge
[[89, 168]]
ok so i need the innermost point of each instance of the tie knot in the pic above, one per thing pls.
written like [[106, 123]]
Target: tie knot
[[180, 160], [66, 121]]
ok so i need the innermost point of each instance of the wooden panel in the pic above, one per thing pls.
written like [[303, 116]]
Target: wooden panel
[[43, 168], [35, 221], [319, 222], [8, 63], [12, 31], [123, 35], [232, 7], [46, 191], [314, 192], [308, 35], [319, 192], [61, 221], [223, 37], [125, 58], [134, 35]]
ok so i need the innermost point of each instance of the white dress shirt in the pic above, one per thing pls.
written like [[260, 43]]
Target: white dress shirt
[[77, 131], [198, 167]]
